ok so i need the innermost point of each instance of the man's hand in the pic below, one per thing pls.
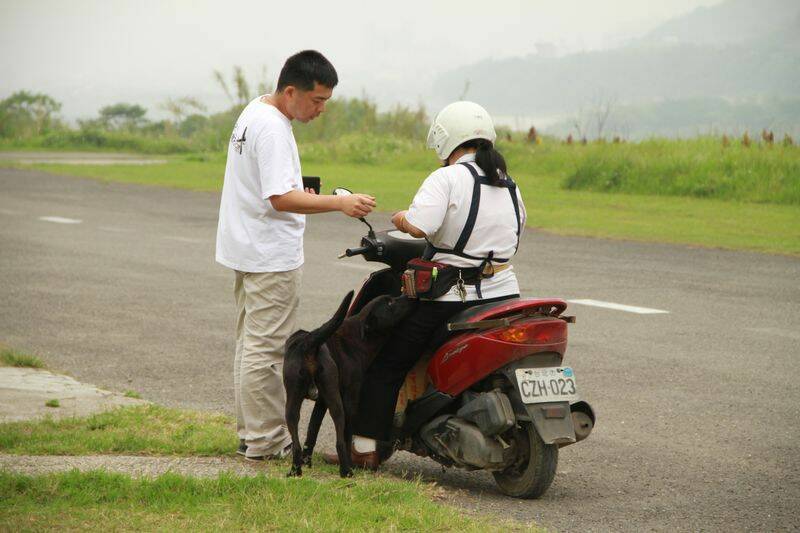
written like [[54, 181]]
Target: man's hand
[[309, 202], [357, 205]]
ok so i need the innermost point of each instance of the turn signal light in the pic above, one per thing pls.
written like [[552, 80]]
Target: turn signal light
[[533, 332]]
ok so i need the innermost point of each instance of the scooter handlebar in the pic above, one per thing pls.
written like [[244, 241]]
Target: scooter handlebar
[[350, 252]]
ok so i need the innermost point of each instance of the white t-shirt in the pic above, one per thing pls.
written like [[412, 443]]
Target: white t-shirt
[[262, 162], [440, 209]]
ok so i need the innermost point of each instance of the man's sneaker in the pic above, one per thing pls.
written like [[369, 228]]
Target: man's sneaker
[[273, 456]]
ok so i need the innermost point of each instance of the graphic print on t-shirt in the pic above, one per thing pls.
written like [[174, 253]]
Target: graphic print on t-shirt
[[238, 144]]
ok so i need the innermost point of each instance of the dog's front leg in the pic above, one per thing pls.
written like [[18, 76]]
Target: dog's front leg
[[330, 392], [342, 448], [350, 400]]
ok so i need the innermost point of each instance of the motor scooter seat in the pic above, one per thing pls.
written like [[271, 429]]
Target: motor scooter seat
[[491, 310]]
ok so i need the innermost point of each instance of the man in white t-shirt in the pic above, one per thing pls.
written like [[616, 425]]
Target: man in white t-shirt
[[260, 236]]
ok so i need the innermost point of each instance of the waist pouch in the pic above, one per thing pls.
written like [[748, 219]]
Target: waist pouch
[[431, 279]]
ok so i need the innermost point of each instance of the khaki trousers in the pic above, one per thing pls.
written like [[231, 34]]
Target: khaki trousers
[[266, 305]]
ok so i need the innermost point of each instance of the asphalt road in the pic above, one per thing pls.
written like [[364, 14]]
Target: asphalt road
[[698, 408]]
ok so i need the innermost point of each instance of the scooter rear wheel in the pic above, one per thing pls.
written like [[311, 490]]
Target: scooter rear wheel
[[533, 472]]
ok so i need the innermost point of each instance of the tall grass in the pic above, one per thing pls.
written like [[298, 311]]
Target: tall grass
[[700, 168], [697, 168], [101, 140]]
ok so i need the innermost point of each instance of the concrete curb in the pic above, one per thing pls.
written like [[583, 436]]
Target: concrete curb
[[24, 392], [135, 466]]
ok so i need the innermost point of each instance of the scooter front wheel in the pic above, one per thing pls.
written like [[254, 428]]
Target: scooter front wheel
[[532, 473]]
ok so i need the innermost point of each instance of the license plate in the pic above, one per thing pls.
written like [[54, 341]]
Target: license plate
[[555, 384]]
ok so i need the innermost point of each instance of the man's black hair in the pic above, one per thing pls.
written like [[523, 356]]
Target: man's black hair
[[305, 68]]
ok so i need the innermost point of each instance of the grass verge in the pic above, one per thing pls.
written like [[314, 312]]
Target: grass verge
[[138, 430], [10, 357], [103, 501], [540, 173], [100, 501]]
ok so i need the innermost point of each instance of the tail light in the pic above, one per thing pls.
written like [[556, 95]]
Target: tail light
[[532, 332]]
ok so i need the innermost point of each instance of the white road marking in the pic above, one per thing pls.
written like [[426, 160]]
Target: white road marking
[[61, 220], [620, 307], [357, 266], [185, 239]]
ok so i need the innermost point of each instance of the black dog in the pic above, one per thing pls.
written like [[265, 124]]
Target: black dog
[[334, 358]]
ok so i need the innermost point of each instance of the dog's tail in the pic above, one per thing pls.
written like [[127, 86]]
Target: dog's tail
[[310, 341], [322, 333]]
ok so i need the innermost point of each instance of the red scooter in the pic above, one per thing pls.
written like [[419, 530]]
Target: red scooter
[[492, 393]]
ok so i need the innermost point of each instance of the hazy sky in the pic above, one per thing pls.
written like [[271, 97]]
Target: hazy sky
[[90, 53]]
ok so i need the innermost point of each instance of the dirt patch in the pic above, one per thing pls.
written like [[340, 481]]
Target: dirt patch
[[132, 465]]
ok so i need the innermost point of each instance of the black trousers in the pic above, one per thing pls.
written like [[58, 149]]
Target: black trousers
[[387, 373]]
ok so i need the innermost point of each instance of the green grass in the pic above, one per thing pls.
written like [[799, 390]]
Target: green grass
[[100, 501], [52, 403], [10, 357], [700, 168], [137, 430], [393, 169], [133, 394]]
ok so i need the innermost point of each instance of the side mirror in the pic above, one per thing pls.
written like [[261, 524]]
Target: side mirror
[[342, 191]]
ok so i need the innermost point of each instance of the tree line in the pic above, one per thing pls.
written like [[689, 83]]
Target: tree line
[[28, 117]]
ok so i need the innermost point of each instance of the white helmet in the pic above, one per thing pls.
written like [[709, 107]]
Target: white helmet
[[457, 123]]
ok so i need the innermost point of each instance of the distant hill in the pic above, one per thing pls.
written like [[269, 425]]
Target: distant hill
[[689, 117], [731, 22], [739, 51]]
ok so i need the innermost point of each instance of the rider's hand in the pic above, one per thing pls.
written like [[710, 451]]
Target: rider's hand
[[310, 190], [357, 205]]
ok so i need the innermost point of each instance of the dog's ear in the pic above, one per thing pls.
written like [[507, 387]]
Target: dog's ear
[[365, 326]]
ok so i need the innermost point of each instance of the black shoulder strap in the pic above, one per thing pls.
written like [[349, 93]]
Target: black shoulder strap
[[472, 216], [512, 188], [466, 233]]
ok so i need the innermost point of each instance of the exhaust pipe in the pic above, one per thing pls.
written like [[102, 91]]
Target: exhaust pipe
[[582, 419], [583, 425]]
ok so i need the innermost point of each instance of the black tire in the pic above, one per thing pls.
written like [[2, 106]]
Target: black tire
[[535, 468]]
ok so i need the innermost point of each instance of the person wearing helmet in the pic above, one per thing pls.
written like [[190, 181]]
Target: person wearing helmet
[[471, 213]]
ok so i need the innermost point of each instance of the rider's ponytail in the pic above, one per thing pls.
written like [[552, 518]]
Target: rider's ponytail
[[490, 160]]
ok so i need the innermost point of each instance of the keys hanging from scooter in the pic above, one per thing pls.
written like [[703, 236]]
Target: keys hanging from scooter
[[461, 288]]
